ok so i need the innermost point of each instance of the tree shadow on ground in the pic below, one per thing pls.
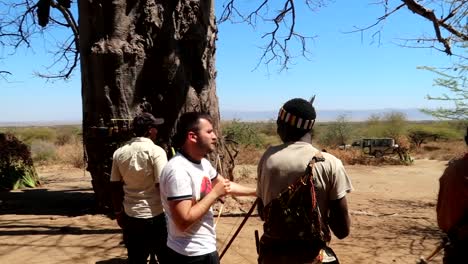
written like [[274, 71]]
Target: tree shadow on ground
[[113, 261], [73, 202]]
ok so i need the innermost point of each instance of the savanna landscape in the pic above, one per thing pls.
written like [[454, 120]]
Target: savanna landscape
[[392, 207], [126, 57]]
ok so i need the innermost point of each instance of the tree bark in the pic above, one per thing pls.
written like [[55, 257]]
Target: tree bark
[[161, 50]]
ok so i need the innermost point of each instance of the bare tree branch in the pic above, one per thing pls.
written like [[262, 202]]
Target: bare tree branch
[[283, 32], [18, 27], [452, 24]]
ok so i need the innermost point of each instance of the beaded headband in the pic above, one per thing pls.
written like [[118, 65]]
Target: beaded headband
[[295, 121]]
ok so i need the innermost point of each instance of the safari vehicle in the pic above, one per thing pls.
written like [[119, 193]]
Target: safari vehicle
[[376, 146]]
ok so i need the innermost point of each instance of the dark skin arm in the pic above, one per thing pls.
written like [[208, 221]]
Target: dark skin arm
[[260, 208], [117, 196], [339, 220]]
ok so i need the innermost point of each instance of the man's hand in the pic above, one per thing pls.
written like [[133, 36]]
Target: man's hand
[[233, 188], [119, 216], [222, 188]]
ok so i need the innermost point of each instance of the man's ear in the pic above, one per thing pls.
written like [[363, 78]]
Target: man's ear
[[192, 136]]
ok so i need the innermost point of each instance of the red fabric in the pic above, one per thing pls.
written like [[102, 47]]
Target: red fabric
[[452, 203]]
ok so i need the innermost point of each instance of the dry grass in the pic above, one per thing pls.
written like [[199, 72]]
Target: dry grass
[[354, 156], [249, 155], [440, 150], [71, 154]]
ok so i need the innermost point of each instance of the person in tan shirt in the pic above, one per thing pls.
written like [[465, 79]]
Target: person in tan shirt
[[452, 208], [136, 168], [280, 166]]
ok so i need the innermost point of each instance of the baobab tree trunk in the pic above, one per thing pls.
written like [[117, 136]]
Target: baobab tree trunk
[[161, 50]]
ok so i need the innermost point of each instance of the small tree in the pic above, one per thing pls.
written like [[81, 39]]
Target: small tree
[[394, 124], [338, 133], [420, 136]]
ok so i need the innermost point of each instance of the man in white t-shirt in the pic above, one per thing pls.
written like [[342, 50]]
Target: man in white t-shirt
[[280, 166], [189, 187], [136, 168]]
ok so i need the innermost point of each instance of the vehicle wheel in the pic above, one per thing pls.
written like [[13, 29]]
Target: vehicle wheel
[[378, 154], [366, 150]]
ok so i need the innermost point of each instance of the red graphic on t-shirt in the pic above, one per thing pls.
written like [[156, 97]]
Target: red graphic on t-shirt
[[205, 187]]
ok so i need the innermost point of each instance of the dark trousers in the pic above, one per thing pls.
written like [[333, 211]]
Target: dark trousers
[[211, 258], [273, 251], [456, 252], [144, 237]]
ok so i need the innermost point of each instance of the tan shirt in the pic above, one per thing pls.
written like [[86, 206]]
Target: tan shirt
[[138, 164], [452, 203], [282, 165]]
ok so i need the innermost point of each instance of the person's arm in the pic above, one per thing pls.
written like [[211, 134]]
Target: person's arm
[[339, 220], [449, 210], [117, 196], [159, 161], [116, 186], [186, 212], [235, 188], [117, 193], [260, 207]]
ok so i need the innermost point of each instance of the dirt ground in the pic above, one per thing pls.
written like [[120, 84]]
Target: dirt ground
[[392, 210]]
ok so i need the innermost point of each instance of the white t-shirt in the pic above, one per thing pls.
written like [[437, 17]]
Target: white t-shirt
[[182, 179], [138, 164]]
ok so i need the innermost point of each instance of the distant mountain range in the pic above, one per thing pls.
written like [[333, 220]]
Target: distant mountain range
[[412, 114]]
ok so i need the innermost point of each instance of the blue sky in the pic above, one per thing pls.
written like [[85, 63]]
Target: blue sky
[[344, 71]]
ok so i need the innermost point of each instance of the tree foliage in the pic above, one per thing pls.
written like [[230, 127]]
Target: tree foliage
[[454, 79], [243, 133], [420, 136], [392, 124], [338, 133]]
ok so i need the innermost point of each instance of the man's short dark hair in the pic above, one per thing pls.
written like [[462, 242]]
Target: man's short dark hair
[[143, 122], [295, 119], [188, 122]]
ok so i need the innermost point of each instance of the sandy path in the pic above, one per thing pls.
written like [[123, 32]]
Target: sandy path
[[392, 208]]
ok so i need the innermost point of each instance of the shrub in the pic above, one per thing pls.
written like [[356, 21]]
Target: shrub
[[243, 134], [67, 135], [43, 151], [31, 134], [353, 156], [16, 166], [71, 154]]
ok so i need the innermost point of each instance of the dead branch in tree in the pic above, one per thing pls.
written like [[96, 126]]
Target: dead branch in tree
[[448, 18], [21, 23], [3, 74], [448, 22], [283, 27]]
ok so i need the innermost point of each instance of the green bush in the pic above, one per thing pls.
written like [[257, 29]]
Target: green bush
[[31, 134], [243, 133], [16, 165]]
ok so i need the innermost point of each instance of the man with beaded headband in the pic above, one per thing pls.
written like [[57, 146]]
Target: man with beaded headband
[[280, 166]]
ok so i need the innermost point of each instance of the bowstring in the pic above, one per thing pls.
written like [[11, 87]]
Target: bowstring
[[219, 167]]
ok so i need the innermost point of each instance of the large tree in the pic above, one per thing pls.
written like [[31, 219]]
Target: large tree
[[164, 51]]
